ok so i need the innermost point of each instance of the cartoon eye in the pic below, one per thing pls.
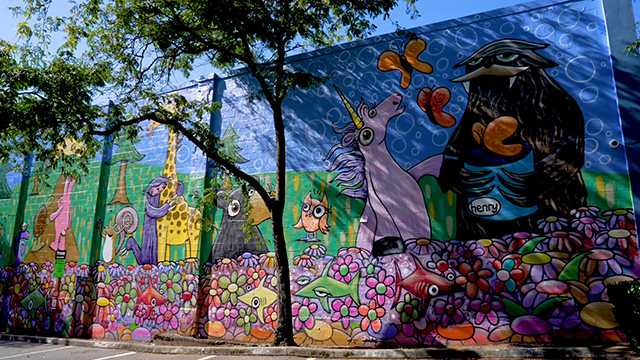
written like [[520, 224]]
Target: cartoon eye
[[319, 211], [434, 290], [475, 62], [306, 207], [366, 136], [450, 277], [251, 192], [31, 305], [373, 113], [303, 281], [321, 293], [234, 208], [507, 57], [255, 302], [154, 302], [249, 287]]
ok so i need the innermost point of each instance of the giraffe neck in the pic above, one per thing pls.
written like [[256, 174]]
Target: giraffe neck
[[170, 166]]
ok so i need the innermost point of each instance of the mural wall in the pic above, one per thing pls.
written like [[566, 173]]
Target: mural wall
[[466, 184]]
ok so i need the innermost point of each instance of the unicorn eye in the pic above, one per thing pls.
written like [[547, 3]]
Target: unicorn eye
[[319, 211], [507, 57], [366, 136], [373, 113]]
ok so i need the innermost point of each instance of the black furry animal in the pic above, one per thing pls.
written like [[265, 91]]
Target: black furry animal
[[517, 153], [232, 241]]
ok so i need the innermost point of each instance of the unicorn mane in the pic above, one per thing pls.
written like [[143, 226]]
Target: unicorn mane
[[349, 163]]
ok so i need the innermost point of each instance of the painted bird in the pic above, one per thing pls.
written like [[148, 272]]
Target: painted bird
[[517, 152], [314, 216]]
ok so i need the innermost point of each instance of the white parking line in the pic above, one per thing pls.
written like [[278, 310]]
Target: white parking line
[[207, 357], [35, 352], [116, 356]]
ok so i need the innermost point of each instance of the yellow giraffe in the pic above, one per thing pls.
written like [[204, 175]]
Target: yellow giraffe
[[181, 225]]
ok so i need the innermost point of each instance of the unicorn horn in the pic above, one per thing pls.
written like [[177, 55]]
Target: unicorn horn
[[354, 115]]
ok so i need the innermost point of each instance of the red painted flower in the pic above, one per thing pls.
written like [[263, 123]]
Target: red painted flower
[[372, 316], [474, 277]]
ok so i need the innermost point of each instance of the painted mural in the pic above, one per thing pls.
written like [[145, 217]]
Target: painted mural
[[464, 184]]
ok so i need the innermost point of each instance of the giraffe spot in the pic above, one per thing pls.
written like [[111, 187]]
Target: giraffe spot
[[190, 226], [172, 168], [171, 224], [160, 220], [183, 207], [176, 215], [178, 232], [170, 186], [171, 231], [179, 223], [184, 216]]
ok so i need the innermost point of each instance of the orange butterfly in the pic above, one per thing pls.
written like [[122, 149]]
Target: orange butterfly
[[432, 102], [406, 62]]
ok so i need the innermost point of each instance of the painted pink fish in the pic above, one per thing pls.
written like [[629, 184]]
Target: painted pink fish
[[423, 283]]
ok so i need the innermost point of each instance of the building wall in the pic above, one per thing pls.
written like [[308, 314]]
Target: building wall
[[468, 184]]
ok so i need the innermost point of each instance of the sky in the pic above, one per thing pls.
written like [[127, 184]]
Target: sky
[[431, 11]]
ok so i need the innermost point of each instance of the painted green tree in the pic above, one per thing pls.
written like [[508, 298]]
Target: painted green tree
[[229, 146], [5, 190], [125, 154]]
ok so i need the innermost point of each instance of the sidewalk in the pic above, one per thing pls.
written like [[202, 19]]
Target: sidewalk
[[185, 345]]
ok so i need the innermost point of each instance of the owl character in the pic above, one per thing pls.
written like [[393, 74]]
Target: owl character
[[313, 217]]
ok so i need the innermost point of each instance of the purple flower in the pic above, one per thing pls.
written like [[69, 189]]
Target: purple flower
[[585, 211], [302, 313], [345, 268], [344, 311], [486, 308], [380, 287], [552, 223], [424, 246], [316, 250], [588, 225], [450, 309], [248, 260], [618, 237], [622, 218]]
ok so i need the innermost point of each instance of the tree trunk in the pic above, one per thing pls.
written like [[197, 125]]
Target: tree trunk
[[284, 330], [121, 190]]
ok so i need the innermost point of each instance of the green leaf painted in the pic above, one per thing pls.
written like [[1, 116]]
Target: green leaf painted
[[546, 308], [530, 245]]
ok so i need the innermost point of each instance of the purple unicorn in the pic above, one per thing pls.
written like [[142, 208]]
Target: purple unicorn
[[395, 209]]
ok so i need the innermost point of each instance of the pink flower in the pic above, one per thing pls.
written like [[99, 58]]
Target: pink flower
[[225, 314], [380, 287], [344, 311], [303, 314], [345, 268], [168, 317]]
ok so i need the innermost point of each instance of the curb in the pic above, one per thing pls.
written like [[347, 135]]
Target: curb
[[470, 352]]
